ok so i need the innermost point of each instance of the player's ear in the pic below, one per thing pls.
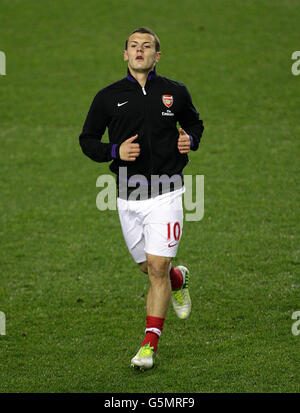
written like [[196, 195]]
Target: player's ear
[[158, 56], [125, 54]]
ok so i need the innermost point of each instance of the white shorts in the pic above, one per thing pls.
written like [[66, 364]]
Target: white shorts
[[152, 226]]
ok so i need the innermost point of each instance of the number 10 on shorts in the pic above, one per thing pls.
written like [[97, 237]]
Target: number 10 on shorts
[[175, 231]]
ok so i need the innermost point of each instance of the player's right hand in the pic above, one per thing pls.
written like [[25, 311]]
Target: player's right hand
[[129, 151]]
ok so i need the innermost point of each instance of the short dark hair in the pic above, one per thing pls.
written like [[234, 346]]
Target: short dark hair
[[145, 30]]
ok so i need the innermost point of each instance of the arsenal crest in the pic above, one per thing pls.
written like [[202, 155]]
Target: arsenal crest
[[167, 100]]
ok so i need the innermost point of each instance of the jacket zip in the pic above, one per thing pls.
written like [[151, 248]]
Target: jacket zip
[[146, 132]]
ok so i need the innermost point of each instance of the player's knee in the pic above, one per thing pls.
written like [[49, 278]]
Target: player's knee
[[158, 268]]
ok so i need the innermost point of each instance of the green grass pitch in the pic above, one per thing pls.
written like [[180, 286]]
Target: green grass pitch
[[73, 298]]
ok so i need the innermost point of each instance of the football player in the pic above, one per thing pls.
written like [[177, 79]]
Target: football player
[[141, 112]]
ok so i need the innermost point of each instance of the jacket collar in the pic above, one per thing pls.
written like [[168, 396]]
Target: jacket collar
[[151, 75]]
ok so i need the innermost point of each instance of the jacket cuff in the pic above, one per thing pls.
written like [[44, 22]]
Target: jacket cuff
[[192, 141], [115, 151]]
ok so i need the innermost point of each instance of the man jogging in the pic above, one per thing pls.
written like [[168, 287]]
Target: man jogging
[[148, 154]]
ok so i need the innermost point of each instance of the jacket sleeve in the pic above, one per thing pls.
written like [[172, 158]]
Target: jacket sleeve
[[93, 129], [189, 120]]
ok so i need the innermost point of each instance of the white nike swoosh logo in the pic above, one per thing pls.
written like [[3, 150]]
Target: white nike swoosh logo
[[121, 104]]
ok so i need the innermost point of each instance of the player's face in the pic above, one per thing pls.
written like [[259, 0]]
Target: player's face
[[141, 54]]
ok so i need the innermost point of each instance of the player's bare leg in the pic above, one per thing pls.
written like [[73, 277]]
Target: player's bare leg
[[179, 277], [159, 294], [158, 300]]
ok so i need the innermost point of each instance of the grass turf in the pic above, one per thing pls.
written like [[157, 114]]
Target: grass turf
[[73, 298]]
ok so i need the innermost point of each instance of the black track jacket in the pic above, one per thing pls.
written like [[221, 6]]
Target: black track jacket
[[151, 112]]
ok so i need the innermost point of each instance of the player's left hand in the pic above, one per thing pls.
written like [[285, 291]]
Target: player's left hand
[[184, 142]]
